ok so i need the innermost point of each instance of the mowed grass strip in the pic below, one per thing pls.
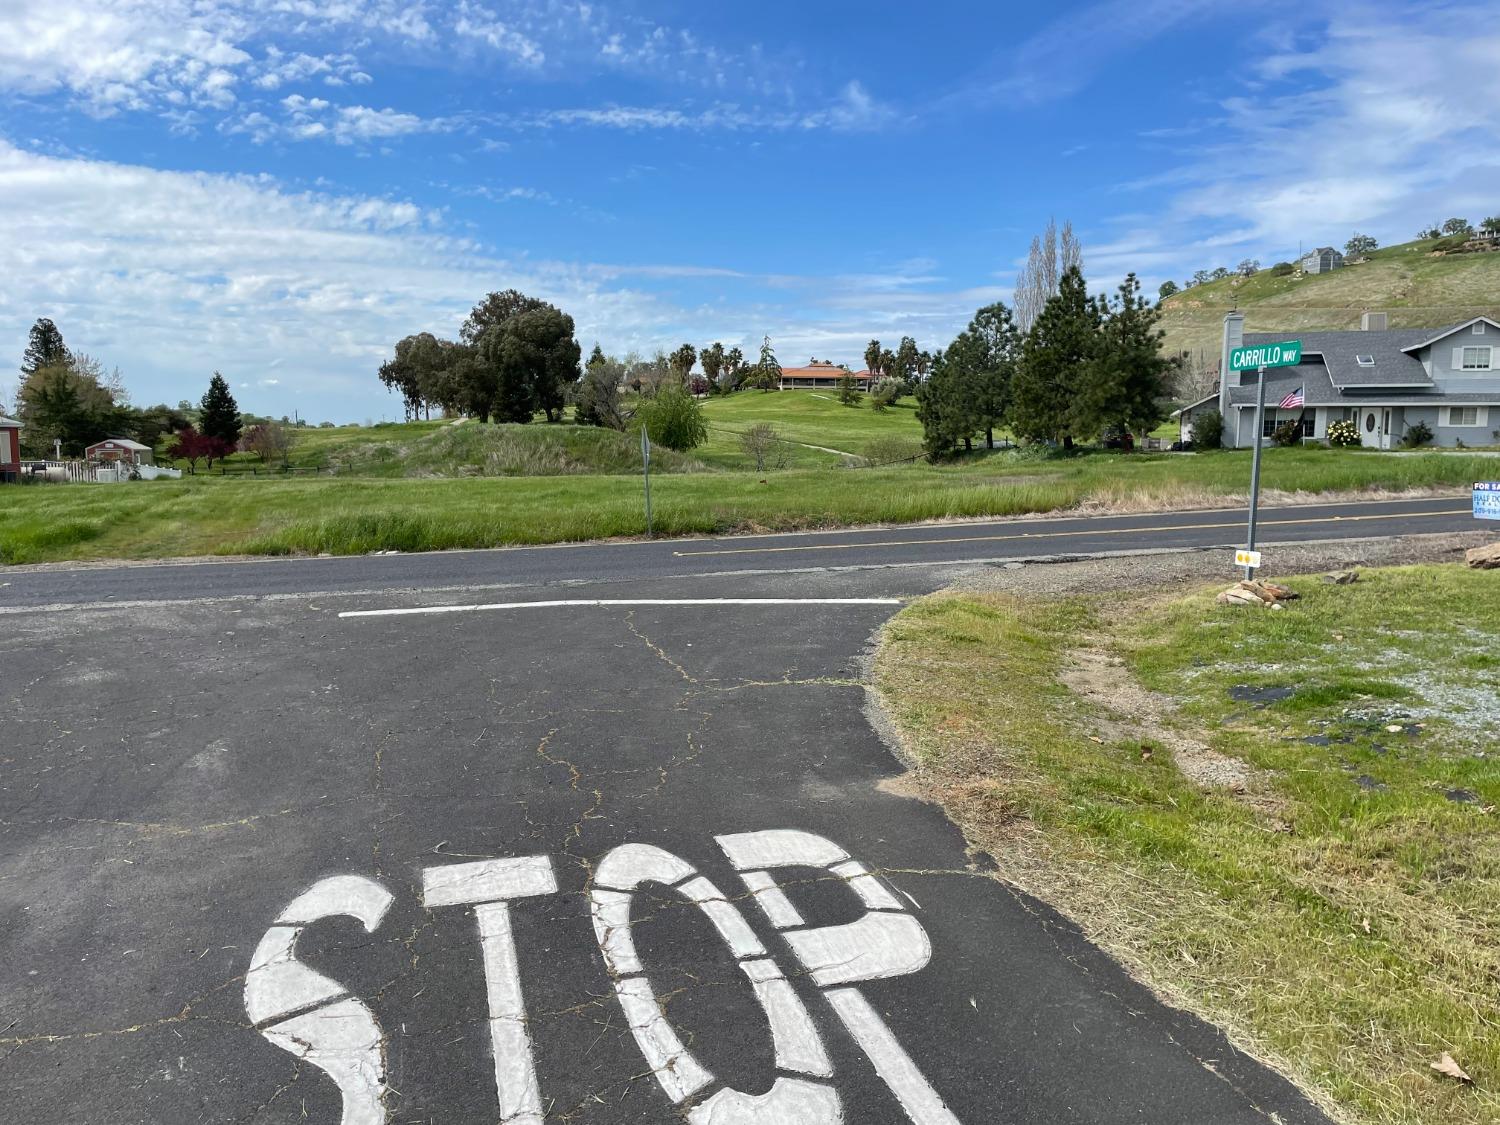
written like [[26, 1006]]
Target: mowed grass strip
[[346, 515], [1343, 918]]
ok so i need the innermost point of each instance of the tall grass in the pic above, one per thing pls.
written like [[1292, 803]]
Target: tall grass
[[207, 515]]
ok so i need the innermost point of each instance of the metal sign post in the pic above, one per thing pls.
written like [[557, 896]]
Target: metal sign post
[[1286, 353], [646, 474], [1260, 438]]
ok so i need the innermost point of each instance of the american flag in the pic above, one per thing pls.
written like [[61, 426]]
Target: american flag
[[1293, 400]]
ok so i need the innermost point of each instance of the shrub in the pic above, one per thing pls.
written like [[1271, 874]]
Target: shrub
[[673, 418], [1207, 430], [1342, 434], [764, 446], [1416, 436], [1288, 433], [886, 393], [885, 450], [1283, 269]]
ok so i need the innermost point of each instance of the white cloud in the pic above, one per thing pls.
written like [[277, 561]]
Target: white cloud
[[855, 110], [123, 54], [1376, 121], [479, 23], [172, 275], [313, 118]]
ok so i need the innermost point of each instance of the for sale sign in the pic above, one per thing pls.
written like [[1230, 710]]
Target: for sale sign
[[1487, 500]]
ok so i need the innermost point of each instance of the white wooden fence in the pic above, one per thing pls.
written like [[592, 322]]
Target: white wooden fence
[[89, 472]]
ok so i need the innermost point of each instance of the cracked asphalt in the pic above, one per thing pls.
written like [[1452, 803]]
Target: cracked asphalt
[[174, 775]]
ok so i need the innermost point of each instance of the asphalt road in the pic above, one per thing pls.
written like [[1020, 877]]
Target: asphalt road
[[920, 545], [265, 860]]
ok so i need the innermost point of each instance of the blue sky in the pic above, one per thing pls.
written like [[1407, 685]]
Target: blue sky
[[279, 189]]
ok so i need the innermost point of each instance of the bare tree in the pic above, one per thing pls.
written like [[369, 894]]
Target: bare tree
[[1049, 259], [759, 442], [1197, 375]]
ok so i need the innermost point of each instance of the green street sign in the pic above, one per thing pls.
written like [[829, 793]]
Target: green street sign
[[1287, 353]]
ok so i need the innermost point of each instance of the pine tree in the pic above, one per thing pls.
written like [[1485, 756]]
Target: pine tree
[[45, 348], [220, 417], [1055, 357], [945, 407], [985, 354], [1129, 378], [767, 372]]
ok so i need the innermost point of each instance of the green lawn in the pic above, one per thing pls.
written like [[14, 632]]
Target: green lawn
[[816, 418], [350, 514], [1342, 909]]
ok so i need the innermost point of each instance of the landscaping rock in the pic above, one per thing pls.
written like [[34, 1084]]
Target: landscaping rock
[[1484, 558], [1257, 592], [1342, 577]]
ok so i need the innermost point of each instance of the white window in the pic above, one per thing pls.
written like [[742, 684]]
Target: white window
[[1365, 360], [1474, 359], [1479, 329], [1467, 415]]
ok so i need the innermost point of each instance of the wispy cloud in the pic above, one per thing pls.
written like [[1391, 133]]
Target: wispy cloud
[[305, 118], [1371, 120], [853, 111], [1064, 56], [310, 289], [476, 22]]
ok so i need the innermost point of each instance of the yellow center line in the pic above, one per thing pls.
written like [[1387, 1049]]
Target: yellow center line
[[1265, 526]]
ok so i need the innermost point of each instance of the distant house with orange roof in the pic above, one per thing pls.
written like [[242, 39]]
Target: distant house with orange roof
[[819, 374]]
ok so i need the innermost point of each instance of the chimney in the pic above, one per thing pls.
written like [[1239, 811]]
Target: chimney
[[1374, 322], [1234, 337]]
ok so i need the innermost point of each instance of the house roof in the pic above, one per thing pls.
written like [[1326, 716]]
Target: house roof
[[123, 443], [1339, 351], [9, 423], [821, 369], [1449, 332]]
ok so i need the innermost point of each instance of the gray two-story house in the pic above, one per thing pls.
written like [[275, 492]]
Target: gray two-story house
[[1384, 380], [1325, 259]]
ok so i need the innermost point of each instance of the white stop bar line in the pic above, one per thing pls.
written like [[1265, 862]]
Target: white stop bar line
[[571, 603]]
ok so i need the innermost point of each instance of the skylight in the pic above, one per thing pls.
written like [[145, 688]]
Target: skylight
[[1365, 360]]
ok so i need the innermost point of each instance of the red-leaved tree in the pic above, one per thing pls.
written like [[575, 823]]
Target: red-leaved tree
[[192, 447]]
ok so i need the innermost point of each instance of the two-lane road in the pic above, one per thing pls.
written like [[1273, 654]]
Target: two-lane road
[[910, 545]]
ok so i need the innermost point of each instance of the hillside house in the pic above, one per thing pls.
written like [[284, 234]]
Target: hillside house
[[1325, 259], [1385, 380], [10, 450]]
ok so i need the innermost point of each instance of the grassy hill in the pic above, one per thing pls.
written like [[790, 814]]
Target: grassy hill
[[817, 432], [1418, 288]]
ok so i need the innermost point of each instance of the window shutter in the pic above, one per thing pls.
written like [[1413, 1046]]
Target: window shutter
[[1447, 418], [1484, 416], [1458, 359]]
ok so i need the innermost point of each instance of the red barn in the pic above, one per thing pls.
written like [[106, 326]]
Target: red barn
[[10, 449]]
